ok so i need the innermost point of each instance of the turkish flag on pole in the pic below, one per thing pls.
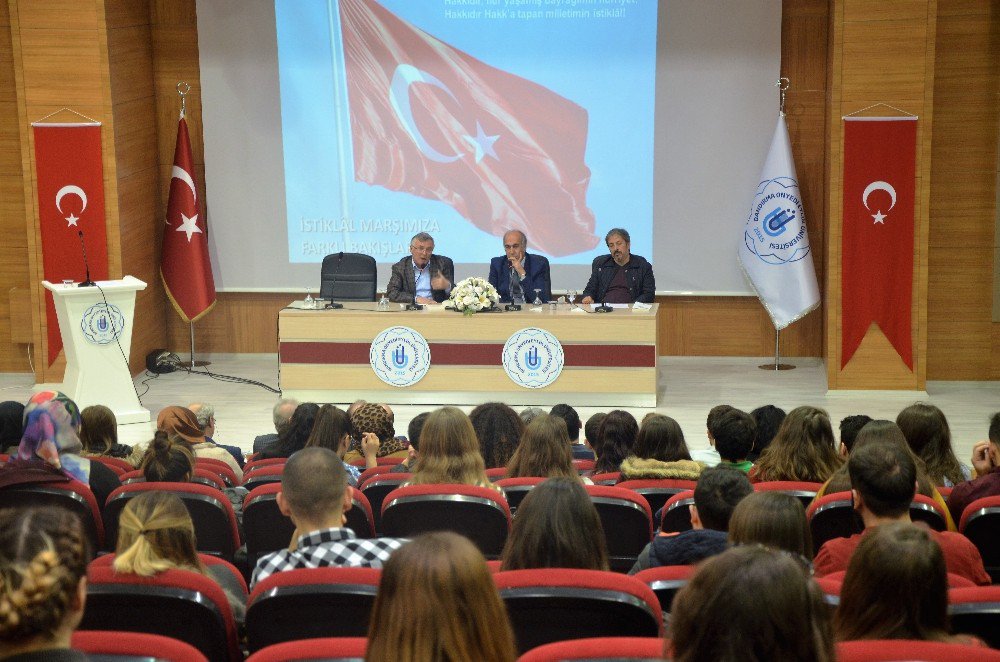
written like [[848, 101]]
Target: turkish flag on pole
[[877, 260], [185, 266], [70, 174], [433, 121]]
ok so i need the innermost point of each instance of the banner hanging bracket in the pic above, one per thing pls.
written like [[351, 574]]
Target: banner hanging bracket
[[782, 84], [182, 89]]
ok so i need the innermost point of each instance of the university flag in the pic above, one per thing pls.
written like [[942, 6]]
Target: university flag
[[185, 266], [877, 245], [430, 120], [70, 174], [774, 252]]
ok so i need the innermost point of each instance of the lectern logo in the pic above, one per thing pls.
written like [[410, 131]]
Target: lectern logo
[[533, 358], [400, 356], [102, 323]]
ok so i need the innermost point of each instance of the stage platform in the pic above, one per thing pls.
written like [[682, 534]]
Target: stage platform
[[688, 388]]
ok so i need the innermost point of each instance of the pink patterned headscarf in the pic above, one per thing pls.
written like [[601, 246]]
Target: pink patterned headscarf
[[51, 434]]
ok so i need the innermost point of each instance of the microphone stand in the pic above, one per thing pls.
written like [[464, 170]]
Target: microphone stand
[[86, 263], [331, 304]]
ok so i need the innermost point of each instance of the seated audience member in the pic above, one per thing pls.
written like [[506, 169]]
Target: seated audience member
[[373, 419], [315, 495], [333, 430], [896, 587], [50, 446], [716, 494], [773, 519], [883, 479], [617, 433], [768, 419], [579, 448], [543, 451], [281, 414], [750, 603], [498, 429], [803, 449], [926, 430], [528, 414], [986, 462], [99, 436], [180, 422], [11, 426], [155, 534], [295, 435], [413, 431], [850, 426], [167, 461], [43, 563], [437, 601], [734, 434], [660, 452], [449, 451], [710, 456], [205, 414], [591, 429], [557, 526]]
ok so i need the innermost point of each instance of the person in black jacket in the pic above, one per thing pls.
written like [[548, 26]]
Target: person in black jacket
[[620, 277]]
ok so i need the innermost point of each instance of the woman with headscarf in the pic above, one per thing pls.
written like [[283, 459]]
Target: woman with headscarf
[[376, 419], [51, 443], [181, 423], [11, 426]]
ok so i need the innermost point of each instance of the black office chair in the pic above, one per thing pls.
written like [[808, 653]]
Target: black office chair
[[348, 277]]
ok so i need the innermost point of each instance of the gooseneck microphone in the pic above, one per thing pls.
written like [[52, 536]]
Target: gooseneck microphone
[[86, 264], [603, 308], [331, 304]]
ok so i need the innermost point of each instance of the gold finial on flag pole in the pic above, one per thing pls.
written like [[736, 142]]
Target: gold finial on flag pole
[[183, 88], [782, 84]]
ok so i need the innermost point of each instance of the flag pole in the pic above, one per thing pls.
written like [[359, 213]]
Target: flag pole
[[777, 365]]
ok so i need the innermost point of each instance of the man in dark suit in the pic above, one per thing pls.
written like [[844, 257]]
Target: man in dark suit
[[620, 277], [422, 277], [532, 270]]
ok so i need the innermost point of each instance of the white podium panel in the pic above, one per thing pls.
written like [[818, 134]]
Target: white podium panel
[[96, 328]]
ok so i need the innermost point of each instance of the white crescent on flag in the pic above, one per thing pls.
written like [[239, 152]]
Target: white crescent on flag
[[181, 174]]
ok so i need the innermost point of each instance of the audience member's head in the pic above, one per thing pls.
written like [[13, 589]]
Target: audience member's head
[[716, 494], [926, 430], [167, 461], [373, 418], [544, 450], [414, 429], [617, 436], [774, 519], [52, 434], [734, 432], [11, 424], [282, 413], [332, 430], [353, 407], [716, 616], [850, 426], [155, 533], [43, 564], [768, 419], [713, 416], [180, 422], [449, 451], [437, 601], [883, 477], [591, 429], [896, 587], [314, 491], [296, 433], [802, 450], [572, 419], [661, 438], [205, 415], [528, 414], [498, 429], [98, 429], [557, 526]]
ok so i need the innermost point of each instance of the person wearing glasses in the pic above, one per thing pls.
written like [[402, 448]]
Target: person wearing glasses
[[422, 277]]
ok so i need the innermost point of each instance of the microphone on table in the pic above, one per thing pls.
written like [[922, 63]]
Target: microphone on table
[[516, 290], [331, 304], [603, 308], [86, 264]]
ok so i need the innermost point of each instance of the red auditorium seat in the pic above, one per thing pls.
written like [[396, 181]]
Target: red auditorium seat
[[665, 581], [176, 603], [263, 462], [496, 473], [371, 471], [598, 648], [954, 581], [676, 515], [657, 491], [388, 461], [895, 650], [326, 649], [201, 476], [309, 603], [71, 494], [606, 478], [801, 490], [110, 646], [107, 560], [980, 523], [627, 522], [832, 516], [930, 512], [375, 490], [224, 471], [556, 604], [976, 611], [263, 476], [515, 489], [118, 465], [584, 466], [481, 514]]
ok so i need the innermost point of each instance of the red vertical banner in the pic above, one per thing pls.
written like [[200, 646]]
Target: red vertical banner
[[70, 174], [877, 246]]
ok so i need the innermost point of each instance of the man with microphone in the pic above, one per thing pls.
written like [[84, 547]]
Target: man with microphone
[[517, 267], [422, 277], [620, 277]]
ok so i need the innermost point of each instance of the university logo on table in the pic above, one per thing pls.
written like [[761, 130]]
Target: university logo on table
[[532, 358], [775, 230], [102, 323], [400, 356]]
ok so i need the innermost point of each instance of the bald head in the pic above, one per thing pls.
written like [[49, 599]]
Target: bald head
[[515, 243], [313, 483]]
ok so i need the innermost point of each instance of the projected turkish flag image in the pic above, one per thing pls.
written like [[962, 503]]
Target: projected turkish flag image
[[431, 120]]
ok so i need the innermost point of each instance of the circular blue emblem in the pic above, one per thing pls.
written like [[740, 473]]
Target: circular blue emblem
[[532, 358], [102, 323], [775, 231], [400, 356]]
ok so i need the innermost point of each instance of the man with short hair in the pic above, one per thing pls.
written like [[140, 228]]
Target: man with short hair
[[986, 462], [422, 277], [205, 413], [315, 495], [413, 431], [573, 426], [716, 494], [734, 433], [850, 426], [620, 277], [884, 480], [280, 414], [517, 267]]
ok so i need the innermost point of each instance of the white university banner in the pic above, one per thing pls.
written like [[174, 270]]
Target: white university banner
[[774, 251]]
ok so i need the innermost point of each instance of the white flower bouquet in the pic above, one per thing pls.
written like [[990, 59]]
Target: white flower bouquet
[[472, 295]]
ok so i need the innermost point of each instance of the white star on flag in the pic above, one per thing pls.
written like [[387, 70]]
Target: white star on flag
[[879, 217], [483, 143], [189, 225], [71, 220]]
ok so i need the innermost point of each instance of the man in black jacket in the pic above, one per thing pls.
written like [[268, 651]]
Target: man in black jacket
[[620, 277], [422, 276]]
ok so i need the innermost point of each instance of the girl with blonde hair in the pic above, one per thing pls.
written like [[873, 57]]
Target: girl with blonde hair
[[449, 451]]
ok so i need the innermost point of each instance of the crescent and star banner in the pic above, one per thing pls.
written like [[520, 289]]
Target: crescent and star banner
[[877, 247], [185, 265], [70, 173]]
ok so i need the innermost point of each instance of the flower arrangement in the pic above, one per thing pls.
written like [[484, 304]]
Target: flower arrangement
[[472, 295]]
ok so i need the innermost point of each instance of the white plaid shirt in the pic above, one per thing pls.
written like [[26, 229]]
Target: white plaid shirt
[[328, 547]]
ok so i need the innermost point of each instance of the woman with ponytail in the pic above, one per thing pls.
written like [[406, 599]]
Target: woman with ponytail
[[167, 461]]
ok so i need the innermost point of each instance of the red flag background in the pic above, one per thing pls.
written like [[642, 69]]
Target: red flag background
[[877, 259], [185, 265], [70, 176], [433, 121]]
